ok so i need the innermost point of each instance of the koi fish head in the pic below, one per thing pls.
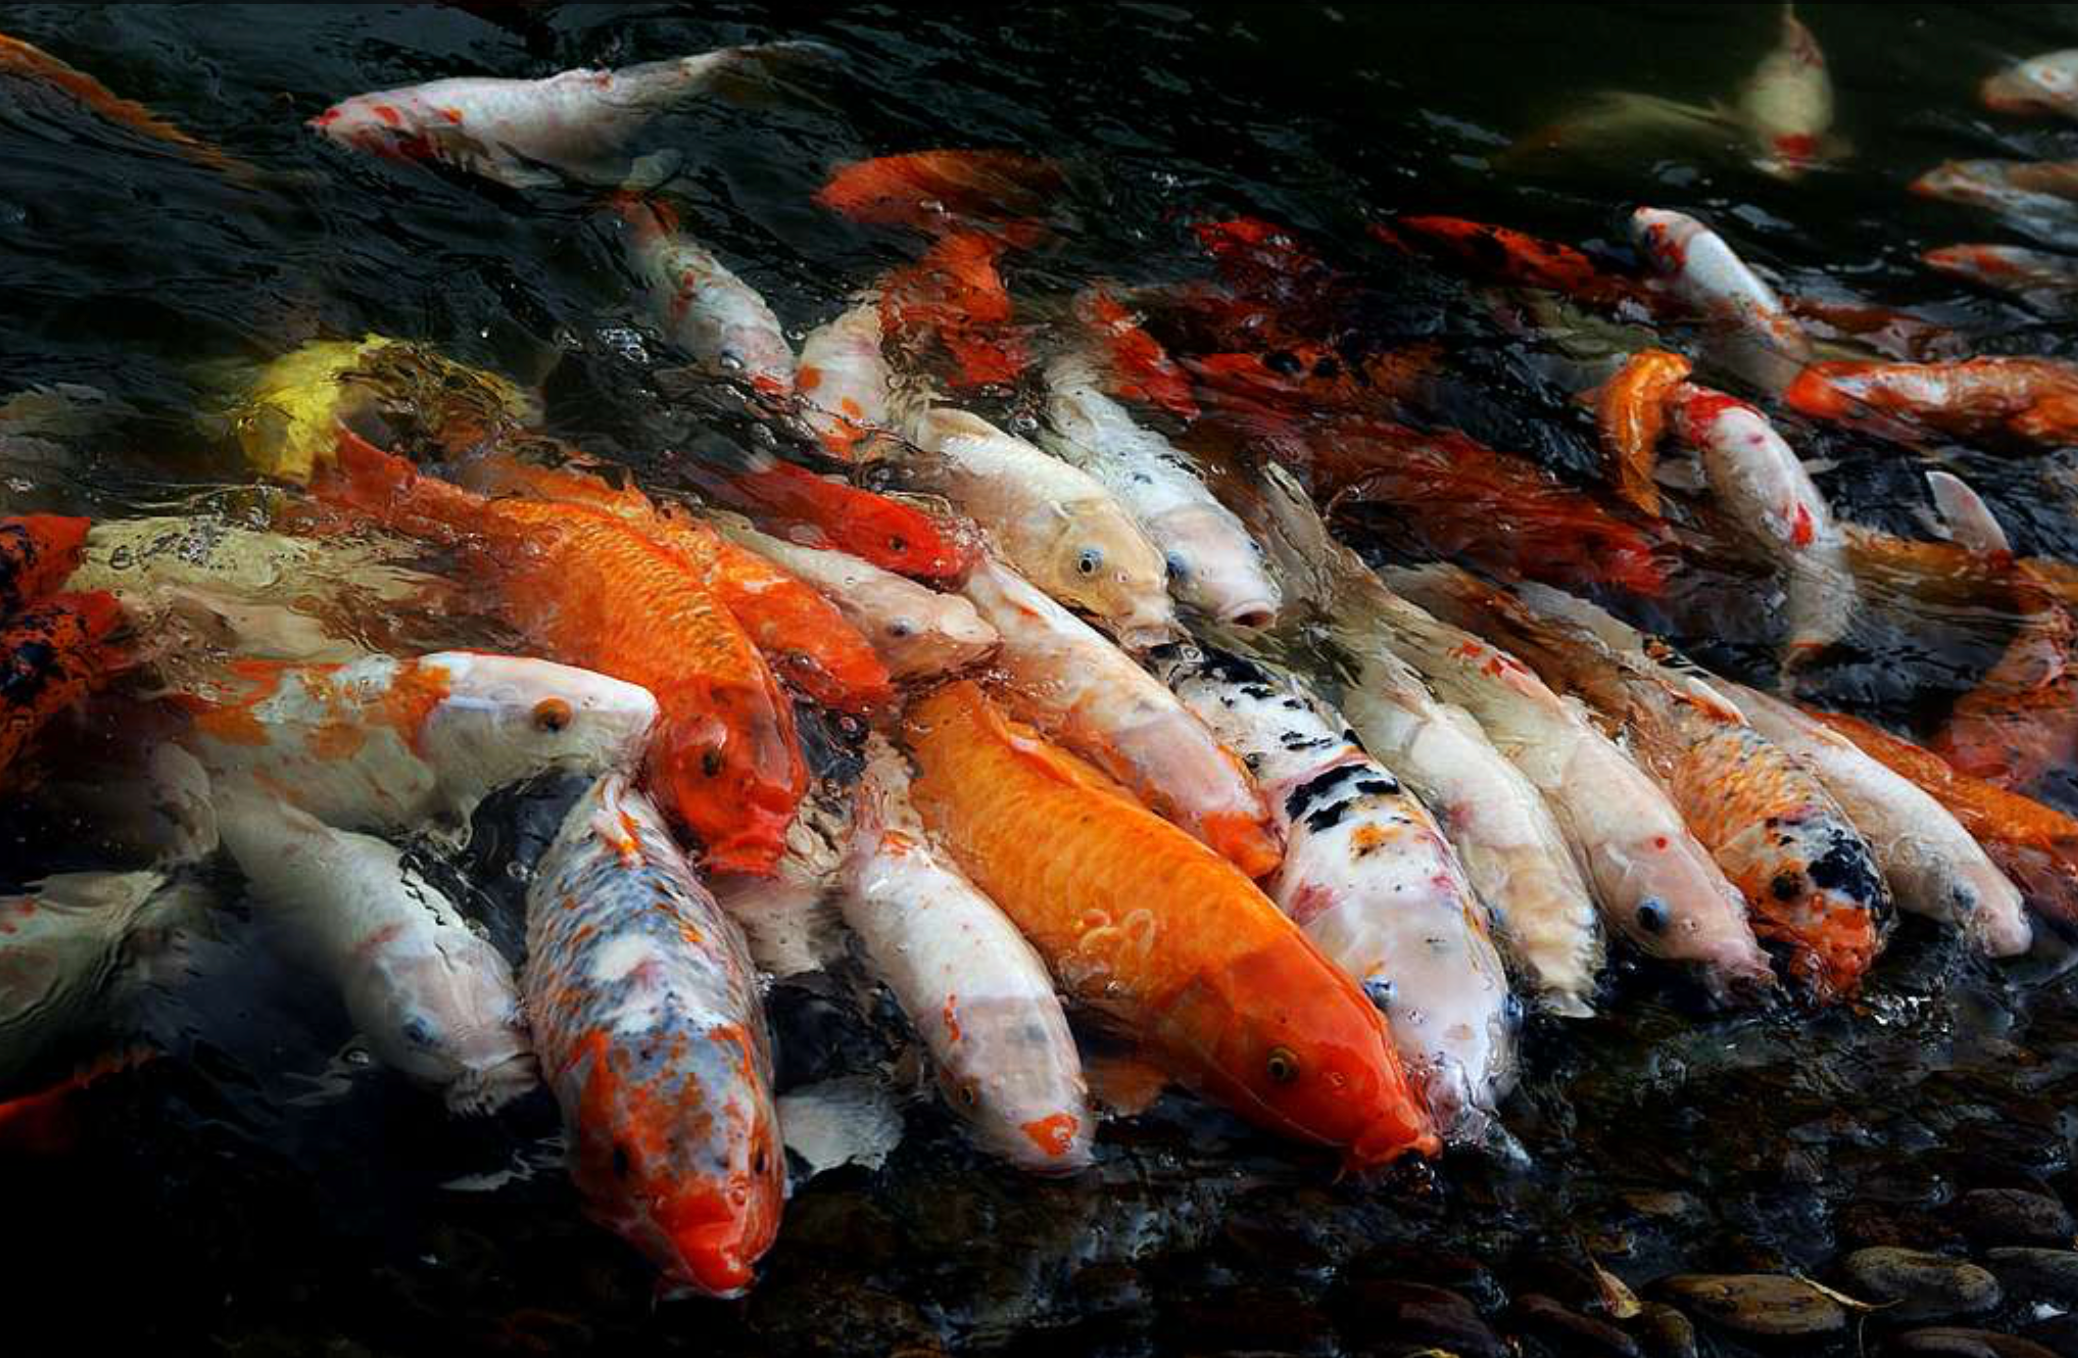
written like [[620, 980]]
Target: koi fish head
[[1217, 568], [1102, 563], [1289, 1042], [380, 124], [2044, 84], [1664, 237], [923, 633], [443, 1012], [1833, 914], [727, 765], [1019, 1086], [493, 720], [685, 1165]]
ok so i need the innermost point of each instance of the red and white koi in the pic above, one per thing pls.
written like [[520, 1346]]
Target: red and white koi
[[2032, 275], [2044, 84], [2033, 191], [434, 1000], [845, 383], [975, 991], [383, 743], [652, 1035], [1703, 272], [1787, 103], [721, 322], [1214, 565], [1067, 679], [1370, 879]]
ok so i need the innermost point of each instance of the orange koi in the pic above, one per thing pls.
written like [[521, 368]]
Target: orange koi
[[1631, 414], [37, 552], [892, 535], [2031, 399], [939, 191], [1138, 367], [955, 297], [1510, 256], [1138, 920], [51, 655], [28, 62], [591, 590]]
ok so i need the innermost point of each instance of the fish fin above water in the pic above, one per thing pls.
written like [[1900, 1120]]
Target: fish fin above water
[[850, 1120], [1964, 518]]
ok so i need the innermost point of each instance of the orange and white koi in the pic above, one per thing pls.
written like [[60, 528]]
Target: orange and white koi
[[2032, 275], [435, 1001], [973, 988], [954, 299], [1214, 565], [1701, 270], [1067, 679], [1369, 877], [2033, 192], [1142, 923], [721, 322], [845, 384], [386, 744], [2031, 399], [651, 1033]]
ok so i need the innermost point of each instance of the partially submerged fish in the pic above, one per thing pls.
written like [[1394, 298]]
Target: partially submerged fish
[[973, 989], [589, 588], [25, 61], [789, 916], [52, 654], [390, 744], [2042, 84], [1810, 881], [1786, 105], [434, 1000], [532, 133], [1057, 525], [65, 943], [844, 382], [917, 632], [1932, 865], [1065, 678], [2020, 722], [1146, 926], [890, 533], [1702, 270], [942, 191], [718, 320], [652, 1036], [2042, 193], [2032, 275], [1214, 565], [1630, 416], [2031, 399], [2035, 845], [1369, 877], [1510, 843], [1756, 478], [1132, 363], [1511, 256], [1655, 884], [954, 299]]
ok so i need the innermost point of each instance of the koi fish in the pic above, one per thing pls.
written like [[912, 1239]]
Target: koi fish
[[716, 318], [37, 553], [387, 744], [1056, 523], [1703, 272], [652, 1036], [1369, 878], [1504, 832], [27, 62], [1630, 416], [1140, 922], [1654, 883], [1511, 256], [2031, 399], [917, 632], [1763, 489], [973, 989], [2032, 275], [65, 948], [1931, 864], [2039, 85], [1214, 565], [844, 383], [2021, 720], [801, 634], [939, 192], [1133, 363], [2036, 846], [889, 533], [532, 133], [1786, 105], [1810, 881], [1065, 678], [52, 654], [2039, 192], [954, 297], [589, 588], [435, 1001]]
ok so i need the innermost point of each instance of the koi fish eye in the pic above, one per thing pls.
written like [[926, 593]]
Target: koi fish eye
[[1179, 565], [1282, 1066], [969, 1094], [711, 761], [900, 629], [1283, 364], [898, 545], [552, 715], [420, 1032], [1653, 915], [1089, 560]]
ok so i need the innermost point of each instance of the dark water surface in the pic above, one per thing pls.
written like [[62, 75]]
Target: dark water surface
[[260, 1195]]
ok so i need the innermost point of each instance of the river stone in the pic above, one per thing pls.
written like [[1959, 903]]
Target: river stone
[[1946, 1342], [1922, 1286], [1572, 1332], [1667, 1333], [2037, 1274], [2008, 1216], [1412, 1313], [1757, 1303]]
